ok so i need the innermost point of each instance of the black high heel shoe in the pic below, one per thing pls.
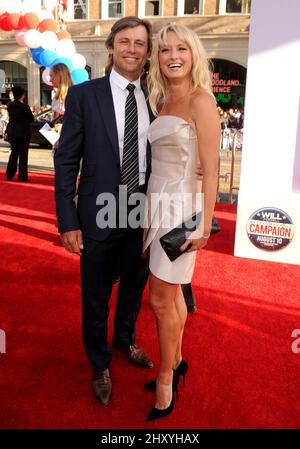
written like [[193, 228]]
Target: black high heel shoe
[[157, 413], [180, 370]]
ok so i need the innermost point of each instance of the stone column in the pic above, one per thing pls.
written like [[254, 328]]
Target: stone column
[[33, 82]]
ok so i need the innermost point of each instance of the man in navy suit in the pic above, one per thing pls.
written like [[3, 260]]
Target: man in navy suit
[[19, 133], [93, 131]]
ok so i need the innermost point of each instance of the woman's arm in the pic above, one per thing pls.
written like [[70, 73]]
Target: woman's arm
[[206, 118]]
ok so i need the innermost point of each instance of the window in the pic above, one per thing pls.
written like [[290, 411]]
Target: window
[[188, 7], [152, 8], [11, 73], [235, 7], [114, 8], [80, 9], [149, 8], [111, 8]]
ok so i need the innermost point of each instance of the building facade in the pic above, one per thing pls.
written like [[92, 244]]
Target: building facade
[[222, 25]]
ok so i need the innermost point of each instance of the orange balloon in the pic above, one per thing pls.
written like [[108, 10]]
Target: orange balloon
[[63, 34], [48, 25], [31, 20]]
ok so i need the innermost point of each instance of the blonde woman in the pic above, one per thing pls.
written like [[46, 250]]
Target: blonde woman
[[61, 80], [186, 131]]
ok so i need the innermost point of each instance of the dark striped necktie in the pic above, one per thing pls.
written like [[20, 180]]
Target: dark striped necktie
[[130, 163]]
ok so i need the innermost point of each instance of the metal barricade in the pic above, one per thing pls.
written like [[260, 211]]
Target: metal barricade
[[235, 143]]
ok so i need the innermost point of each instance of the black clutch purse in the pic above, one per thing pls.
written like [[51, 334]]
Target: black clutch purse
[[172, 241]]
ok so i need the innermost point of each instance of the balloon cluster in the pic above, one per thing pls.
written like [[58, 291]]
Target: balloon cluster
[[39, 32]]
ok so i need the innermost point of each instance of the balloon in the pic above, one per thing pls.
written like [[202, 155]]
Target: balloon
[[63, 34], [78, 61], [16, 21], [65, 47], [48, 25], [32, 38], [46, 77], [36, 54], [20, 36], [48, 57], [49, 40], [35, 51], [62, 60], [4, 22], [31, 20], [3, 15], [79, 76]]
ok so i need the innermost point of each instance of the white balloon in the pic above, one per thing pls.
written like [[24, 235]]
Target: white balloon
[[49, 40], [20, 37], [13, 6], [46, 76], [32, 38], [78, 61], [65, 47]]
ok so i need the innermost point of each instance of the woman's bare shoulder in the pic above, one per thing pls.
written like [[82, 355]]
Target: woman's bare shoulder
[[201, 99], [202, 103]]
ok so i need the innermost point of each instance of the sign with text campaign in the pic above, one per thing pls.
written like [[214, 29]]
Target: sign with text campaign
[[268, 219]]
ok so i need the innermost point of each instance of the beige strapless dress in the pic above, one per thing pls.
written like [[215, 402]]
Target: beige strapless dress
[[174, 149]]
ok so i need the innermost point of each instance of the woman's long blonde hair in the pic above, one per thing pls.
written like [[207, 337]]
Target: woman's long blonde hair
[[65, 80], [201, 74]]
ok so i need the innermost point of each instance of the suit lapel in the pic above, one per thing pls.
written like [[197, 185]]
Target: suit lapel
[[106, 105]]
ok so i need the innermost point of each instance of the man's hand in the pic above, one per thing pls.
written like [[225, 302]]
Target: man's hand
[[72, 241], [199, 172], [57, 127]]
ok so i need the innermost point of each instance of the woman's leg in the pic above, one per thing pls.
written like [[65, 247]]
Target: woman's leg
[[168, 322], [182, 313]]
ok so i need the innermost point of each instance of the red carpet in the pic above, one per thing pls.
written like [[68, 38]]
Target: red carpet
[[243, 373]]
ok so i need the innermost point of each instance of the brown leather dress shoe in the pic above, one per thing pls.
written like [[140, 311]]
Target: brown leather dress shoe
[[102, 386], [135, 355]]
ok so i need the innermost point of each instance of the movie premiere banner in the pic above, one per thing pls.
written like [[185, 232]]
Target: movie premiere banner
[[268, 219]]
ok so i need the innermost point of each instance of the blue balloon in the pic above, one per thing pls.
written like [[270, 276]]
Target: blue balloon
[[64, 60], [34, 51], [47, 57], [36, 54], [79, 76]]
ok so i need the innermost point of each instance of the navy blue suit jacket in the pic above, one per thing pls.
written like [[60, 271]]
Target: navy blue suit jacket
[[20, 119], [89, 132]]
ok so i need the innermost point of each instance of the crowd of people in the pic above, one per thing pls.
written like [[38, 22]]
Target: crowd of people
[[232, 124]]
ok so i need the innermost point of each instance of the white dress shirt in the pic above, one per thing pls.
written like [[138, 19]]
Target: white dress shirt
[[118, 86]]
